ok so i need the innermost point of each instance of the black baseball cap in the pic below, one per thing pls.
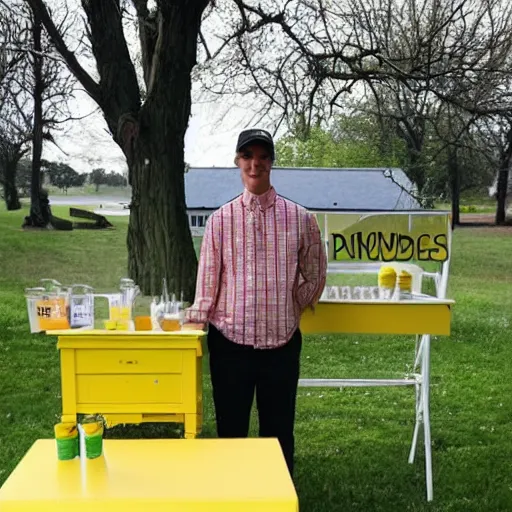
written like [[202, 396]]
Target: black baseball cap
[[256, 135]]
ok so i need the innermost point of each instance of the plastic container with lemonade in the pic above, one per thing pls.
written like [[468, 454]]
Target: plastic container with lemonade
[[52, 306], [170, 322], [171, 315]]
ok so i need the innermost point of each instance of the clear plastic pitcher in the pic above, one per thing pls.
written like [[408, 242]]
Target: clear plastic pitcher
[[53, 306], [81, 306], [33, 296]]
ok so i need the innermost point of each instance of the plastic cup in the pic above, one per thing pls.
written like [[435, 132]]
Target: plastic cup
[[66, 437], [67, 449], [93, 446], [93, 437], [143, 323]]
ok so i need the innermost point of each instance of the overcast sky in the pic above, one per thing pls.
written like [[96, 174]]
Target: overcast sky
[[86, 144]]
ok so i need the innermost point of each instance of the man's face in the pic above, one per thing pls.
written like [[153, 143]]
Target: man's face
[[255, 163]]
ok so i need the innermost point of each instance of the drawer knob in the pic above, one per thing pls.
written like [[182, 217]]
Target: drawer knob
[[128, 362]]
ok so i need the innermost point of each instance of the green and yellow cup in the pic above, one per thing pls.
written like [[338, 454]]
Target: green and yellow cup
[[93, 436], [66, 436]]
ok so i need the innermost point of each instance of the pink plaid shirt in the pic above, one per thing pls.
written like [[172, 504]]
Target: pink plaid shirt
[[262, 263]]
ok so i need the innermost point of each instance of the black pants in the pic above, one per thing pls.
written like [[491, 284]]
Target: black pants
[[238, 371]]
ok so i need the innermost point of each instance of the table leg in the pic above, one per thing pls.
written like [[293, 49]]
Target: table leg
[[68, 387], [190, 426], [417, 367], [419, 421], [423, 411], [425, 391]]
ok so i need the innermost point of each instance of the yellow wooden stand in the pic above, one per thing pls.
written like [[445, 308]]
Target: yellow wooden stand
[[422, 318], [132, 377], [432, 316]]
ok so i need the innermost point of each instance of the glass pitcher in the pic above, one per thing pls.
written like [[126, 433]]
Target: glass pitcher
[[129, 290]]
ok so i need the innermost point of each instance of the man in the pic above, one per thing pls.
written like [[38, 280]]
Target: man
[[262, 263]]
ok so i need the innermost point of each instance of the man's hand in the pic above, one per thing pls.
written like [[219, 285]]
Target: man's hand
[[191, 326]]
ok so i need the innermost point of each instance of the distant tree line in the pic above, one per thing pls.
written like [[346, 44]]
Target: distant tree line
[[63, 176], [356, 140]]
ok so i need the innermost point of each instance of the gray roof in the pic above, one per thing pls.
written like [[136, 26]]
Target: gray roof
[[313, 188]]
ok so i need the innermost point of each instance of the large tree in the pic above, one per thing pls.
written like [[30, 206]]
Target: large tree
[[148, 121], [13, 130], [34, 94]]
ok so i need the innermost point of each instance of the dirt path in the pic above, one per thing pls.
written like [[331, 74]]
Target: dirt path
[[483, 222]]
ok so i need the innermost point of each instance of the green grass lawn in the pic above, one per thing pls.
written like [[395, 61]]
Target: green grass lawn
[[352, 444]]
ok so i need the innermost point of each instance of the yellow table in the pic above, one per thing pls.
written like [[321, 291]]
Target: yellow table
[[132, 376], [421, 317], [201, 475], [432, 316]]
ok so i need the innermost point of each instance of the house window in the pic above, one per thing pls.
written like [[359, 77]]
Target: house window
[[193, 221], [200, 219]]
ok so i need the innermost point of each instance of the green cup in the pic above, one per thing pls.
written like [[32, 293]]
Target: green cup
[[67, 448], [93, 437], [94, 446]]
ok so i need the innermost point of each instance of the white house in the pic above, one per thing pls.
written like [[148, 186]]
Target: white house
[[318, 189]]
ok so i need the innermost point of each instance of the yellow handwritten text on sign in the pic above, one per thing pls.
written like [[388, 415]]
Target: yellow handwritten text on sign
[[387, 237]]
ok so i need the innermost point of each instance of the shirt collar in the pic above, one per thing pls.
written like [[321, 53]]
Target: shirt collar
[[264, 201]]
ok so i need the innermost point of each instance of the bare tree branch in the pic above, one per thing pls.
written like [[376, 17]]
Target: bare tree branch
[[85, 79]]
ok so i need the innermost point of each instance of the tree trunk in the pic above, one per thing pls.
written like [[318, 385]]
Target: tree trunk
[[502, 183], [12, 201], [37, 217], [453, 169], [501, 193], [159, 238]]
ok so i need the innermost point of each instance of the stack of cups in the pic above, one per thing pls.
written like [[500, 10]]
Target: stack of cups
[[387, 282]]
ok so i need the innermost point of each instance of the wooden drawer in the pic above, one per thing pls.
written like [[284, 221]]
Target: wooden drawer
[[106, 361], [129, 389]]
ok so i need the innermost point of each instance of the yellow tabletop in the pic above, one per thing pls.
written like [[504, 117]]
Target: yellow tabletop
[[186, 475], [101, 338], [428, 316], [187, 333]]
